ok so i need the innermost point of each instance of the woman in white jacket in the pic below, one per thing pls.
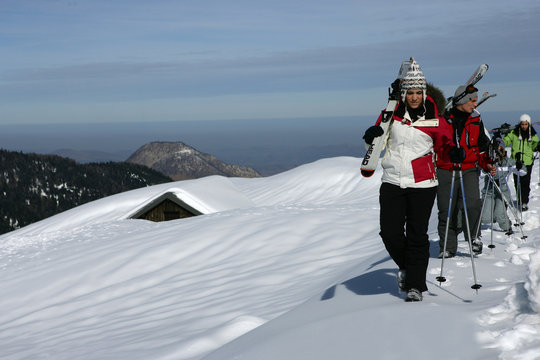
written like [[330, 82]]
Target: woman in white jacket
[[409, 180]]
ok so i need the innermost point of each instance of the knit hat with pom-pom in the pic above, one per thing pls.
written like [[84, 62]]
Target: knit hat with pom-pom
[[413, 78]]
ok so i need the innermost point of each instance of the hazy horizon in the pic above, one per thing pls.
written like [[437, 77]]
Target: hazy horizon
[[272, 142], [111, 137]]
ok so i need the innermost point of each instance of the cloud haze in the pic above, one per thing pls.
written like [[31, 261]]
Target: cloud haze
[[81, 61]]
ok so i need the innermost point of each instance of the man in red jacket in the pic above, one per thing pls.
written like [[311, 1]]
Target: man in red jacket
[[472, 153]]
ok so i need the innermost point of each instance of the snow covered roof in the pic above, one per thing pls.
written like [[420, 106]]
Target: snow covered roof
[[156, 203], [208, 195], [205, 195]]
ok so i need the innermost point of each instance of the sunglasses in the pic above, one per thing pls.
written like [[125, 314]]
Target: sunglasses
[[468, 90]]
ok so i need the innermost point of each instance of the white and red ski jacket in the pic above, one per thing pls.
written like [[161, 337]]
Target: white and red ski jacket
[[411, 147]]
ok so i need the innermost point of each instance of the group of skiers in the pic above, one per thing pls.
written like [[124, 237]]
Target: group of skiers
[[431, 155], [523, 141]]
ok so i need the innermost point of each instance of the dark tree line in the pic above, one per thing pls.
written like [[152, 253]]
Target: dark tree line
[[34, 187]]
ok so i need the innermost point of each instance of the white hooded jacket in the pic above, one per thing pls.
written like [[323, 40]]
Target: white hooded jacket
[[411, 147]]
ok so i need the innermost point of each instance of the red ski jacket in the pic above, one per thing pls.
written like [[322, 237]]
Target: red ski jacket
[[472, 137]]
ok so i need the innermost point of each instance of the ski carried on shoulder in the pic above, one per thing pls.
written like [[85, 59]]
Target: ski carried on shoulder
[[373, 153], [475, 77]]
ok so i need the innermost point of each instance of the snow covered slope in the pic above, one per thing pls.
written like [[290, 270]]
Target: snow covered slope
[[292, 262]]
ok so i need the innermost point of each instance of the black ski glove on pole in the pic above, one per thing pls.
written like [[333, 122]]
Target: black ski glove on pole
[[457, 155], [371, 133]]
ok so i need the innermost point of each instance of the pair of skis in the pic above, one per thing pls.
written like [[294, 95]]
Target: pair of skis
[[373, 153], [371, 159], [475, 77]]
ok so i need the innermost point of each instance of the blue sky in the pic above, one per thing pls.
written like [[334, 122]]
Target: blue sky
[[70, 61]]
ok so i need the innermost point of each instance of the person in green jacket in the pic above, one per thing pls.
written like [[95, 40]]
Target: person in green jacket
[[523, 141]]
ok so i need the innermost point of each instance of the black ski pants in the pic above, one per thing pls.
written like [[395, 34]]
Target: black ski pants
[[524, 185], [457, 222], [404, 221]]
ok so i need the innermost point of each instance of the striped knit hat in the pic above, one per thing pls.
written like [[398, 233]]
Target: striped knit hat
[[413, 78]]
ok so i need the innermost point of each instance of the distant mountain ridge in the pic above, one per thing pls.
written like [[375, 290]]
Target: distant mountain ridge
[[180, 161], [92, 156]]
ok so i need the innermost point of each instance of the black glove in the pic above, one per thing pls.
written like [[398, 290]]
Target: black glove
[[372, 132], [519, 164], [395, 94], [457, 155]]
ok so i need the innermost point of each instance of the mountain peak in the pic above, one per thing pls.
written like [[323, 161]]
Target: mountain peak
[[181, 161]]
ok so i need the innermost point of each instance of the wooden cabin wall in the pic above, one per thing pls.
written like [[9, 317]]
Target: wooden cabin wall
[[166, 210]]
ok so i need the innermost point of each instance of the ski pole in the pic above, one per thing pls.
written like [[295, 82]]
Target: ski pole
[[513, 211], [511, 205], [491, 246], [483, 204], [535, 157], [441, 278], [518, 190], [475, 286]]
